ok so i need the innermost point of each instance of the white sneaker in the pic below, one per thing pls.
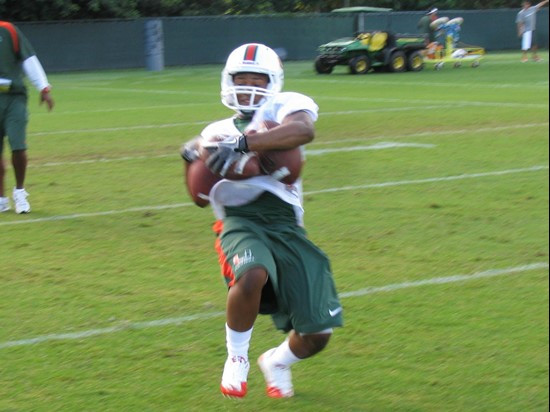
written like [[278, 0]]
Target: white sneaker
[[235, 376], [277, 377], [4, 204], [20, 200]]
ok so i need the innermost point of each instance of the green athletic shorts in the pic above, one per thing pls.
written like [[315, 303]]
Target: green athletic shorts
[[300, 293], [13, 120]]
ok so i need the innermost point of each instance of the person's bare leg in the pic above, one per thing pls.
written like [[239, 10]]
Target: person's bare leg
[[243, 299], [2, 176], [304, 346], [19, 162], [4, 201]]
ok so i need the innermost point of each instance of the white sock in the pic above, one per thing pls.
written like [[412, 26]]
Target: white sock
[[282, 355], [237, 342]]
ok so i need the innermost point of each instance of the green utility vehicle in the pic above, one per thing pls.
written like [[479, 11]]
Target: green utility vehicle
[[372, 50]]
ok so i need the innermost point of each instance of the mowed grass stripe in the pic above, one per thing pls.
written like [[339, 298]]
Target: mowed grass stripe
[[313, 144], [329, 190], [205, 122], [202, 316], [431, 84], [330, 98]]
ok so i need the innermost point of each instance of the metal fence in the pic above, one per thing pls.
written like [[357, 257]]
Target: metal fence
[[119, 44]]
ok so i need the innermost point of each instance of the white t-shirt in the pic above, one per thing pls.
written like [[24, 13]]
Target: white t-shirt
[[241, 192], [528, 18]]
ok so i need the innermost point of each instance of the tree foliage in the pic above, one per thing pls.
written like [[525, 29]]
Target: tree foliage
[[41, 10]]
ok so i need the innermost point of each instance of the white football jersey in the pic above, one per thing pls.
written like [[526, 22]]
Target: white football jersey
[[224, 127], [240, 192]]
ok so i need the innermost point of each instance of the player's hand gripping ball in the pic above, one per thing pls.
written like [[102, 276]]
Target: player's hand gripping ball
[[199, 177], [221, 156]]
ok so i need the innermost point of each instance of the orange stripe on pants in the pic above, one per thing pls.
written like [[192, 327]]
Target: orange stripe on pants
[[227, 270]]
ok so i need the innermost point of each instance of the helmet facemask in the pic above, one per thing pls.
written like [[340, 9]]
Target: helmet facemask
[[251, 58]]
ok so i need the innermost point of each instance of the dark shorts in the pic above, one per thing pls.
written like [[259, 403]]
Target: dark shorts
[[13, 120], [300, 293]]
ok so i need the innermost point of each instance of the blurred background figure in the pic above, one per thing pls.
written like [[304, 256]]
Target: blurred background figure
[[425, 22], [526, 21]]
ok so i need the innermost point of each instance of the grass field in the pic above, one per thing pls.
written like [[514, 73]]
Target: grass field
[[429, 191]]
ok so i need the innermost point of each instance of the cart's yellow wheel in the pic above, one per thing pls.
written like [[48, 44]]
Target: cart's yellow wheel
[[359, 65], [398, 62], [415, 61]]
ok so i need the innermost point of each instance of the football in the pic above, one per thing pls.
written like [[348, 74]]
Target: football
[[247, 165], [283, 165], [199, 180]]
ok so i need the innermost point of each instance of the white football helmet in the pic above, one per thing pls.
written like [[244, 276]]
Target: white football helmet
[[251, 58]]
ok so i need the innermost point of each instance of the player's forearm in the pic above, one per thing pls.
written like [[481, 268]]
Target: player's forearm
[[288, 135]]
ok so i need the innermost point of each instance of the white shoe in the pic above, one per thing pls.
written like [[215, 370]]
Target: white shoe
[[235, 376], [277, 377], [4, 204], [20, 200]]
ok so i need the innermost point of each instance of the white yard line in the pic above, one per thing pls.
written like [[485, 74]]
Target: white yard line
[[377, 146], [318, 143], [144, 91], [120, 109], [429, 180], [329, 190], [444, 280], [396, 109], [95, 214], [203, 316], [435, 133], [105, 160], [121, 128]]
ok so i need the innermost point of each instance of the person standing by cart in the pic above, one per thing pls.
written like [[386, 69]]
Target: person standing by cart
[[424, 25], [526, 22]]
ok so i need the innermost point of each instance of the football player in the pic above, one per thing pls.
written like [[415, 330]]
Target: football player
[[267, 261]]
